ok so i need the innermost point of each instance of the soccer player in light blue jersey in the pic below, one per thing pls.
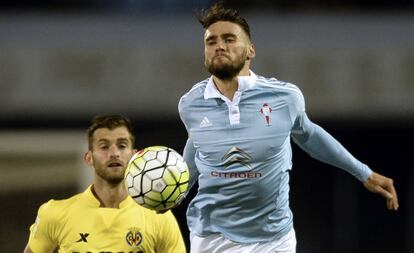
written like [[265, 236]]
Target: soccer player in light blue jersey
[[239, 128]]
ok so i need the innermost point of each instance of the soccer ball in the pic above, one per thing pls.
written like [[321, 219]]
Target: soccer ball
[[157, 177]]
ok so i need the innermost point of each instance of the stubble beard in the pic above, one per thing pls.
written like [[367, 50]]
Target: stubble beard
[[114, 180], [110, 179], [224, 70]]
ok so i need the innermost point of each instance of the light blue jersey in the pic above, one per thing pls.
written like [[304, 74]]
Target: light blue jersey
[[240, 153]]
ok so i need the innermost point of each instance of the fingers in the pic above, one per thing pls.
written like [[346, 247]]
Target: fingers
[[384, 193], [392, 204], [389, 204], [385, 187], [392, 199]]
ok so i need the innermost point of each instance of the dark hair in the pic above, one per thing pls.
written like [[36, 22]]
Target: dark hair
[[217, 12], [111, 122]]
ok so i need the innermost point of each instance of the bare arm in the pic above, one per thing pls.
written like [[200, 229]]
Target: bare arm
[[384, 186]]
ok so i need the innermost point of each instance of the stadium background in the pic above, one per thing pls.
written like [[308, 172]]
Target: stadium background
[[61, 62]]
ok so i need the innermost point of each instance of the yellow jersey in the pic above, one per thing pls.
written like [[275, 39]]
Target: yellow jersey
[[79, 225]]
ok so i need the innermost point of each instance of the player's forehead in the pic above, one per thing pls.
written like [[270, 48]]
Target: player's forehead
[[219, 28], [111, 135]]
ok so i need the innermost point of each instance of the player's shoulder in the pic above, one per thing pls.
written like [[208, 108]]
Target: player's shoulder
[[58, 207], [167, 215], [166, 219], [285, 90], [152, 217], [54, 211], [149, 213], [196, 92], [277, 85]]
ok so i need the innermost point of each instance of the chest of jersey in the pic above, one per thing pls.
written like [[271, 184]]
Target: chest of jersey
[[258, 126], [106, 230]]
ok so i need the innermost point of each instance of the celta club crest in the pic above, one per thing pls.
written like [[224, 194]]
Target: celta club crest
[[133, 237], [266, 110]]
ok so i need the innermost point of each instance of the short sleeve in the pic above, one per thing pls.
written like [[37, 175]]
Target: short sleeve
[[42, 232]]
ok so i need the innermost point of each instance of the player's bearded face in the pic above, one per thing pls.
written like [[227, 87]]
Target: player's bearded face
[[112, 171], [227, 49], [226, 66], [111, 152]]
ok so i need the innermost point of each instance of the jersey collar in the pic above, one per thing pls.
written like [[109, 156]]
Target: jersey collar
[[91, 200], [245, 82]]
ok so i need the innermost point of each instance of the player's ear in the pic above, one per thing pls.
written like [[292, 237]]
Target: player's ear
[[251, 52], [88, 158]]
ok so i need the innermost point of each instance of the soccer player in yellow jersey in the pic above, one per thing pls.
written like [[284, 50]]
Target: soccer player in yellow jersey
[[104, 218]]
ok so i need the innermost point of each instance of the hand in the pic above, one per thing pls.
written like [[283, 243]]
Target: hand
[[384, 186]]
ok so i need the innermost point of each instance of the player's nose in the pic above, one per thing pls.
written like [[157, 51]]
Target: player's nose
[[114, 151], [220, 45]]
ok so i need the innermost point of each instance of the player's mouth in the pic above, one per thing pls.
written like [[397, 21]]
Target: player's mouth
[[221, 59], [221, 55], [115, 165]]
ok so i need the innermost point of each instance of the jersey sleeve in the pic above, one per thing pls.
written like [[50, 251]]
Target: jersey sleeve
[[296, 103], [170, 237], [43, 231], [189, 157], [322, 146], [189, 149], [182, 113]]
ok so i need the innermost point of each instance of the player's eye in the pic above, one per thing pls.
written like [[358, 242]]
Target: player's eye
[[122, 145], [211, 42]]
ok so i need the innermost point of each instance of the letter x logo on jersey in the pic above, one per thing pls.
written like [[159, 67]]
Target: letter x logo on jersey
[[83, 237]]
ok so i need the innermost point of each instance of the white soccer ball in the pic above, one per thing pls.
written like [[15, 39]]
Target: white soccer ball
[[157, 177]]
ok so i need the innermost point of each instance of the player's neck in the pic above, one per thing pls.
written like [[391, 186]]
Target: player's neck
[[109, 195], [227, 87]]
